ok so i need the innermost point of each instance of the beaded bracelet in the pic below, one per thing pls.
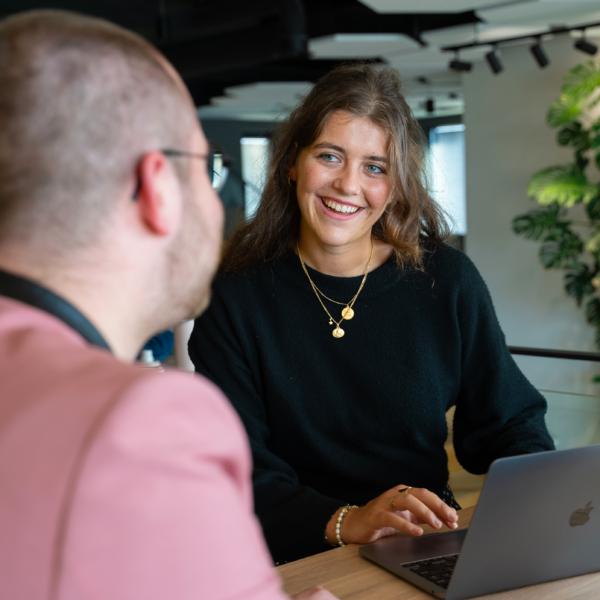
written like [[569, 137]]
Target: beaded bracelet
[[338, 527]]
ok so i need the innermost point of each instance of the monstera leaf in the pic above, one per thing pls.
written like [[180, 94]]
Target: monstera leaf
[[592, 312], [537, 223], [574, 135], [562, 252], [578, 283], [567, 109], [582, 81], [562, 185]]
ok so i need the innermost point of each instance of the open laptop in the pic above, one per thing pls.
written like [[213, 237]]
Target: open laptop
[[537, 520]]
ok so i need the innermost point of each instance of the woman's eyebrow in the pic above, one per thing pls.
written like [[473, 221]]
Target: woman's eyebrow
[[340, 149], [376, 158]]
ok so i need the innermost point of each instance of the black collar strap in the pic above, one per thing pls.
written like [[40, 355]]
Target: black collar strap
[[24, 290]]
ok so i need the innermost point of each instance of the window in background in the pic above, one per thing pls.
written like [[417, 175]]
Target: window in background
[[447, 175], [255, 156]]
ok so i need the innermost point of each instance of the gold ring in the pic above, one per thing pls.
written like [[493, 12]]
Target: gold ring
[[392, 502], [405, 490]]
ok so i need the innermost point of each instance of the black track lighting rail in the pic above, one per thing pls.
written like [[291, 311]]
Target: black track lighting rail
[[531, 36]]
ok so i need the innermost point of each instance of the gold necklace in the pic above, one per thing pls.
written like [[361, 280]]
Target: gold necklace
[[348, 312]]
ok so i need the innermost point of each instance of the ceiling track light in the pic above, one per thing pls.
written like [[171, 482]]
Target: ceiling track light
[[586, 46], [538, 53], [494, 62], [459, 65], [430, 106]]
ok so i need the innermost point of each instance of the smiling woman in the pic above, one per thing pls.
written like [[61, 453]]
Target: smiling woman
[[343, 329], [374, 130]]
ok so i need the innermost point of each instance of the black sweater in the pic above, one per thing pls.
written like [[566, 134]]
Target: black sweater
[[336, 421]]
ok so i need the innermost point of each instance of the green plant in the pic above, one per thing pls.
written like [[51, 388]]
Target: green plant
[[567, 243]]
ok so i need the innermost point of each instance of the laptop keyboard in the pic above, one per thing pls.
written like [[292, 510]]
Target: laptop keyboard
[[437, 570]]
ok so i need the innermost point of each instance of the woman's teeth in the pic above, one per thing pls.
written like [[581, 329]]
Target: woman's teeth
[[341, 208]]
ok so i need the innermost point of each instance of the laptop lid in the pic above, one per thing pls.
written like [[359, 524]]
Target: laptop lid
[[537, 520]]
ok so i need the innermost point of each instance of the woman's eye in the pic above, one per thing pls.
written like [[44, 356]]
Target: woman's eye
[[375, 169], [328, 157]]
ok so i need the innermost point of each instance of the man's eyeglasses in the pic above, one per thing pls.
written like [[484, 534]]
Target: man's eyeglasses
[[217, 163]]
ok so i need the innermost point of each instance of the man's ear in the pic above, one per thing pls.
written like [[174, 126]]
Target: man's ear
[[157, 192]]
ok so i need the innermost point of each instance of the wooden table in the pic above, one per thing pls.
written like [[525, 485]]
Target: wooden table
[[348, 575]]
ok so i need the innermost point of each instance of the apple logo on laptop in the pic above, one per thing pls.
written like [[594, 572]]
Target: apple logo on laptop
[[582, 515]]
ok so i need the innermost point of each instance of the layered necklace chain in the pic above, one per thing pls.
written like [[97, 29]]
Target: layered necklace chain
[[348, 311]]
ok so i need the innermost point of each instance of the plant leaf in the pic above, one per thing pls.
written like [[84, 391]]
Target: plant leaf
[[578, 283], [562, 252], [592, 312], [567, 109], [561, 185], [582, 80], [536, 223], [574, 135], [592, 208]]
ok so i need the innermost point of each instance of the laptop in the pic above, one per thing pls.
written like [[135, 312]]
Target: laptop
[[537, 520]]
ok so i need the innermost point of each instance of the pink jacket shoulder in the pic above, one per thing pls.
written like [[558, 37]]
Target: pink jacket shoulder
[[115, 482]]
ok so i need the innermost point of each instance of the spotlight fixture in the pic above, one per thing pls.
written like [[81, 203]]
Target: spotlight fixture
[[539, 54], [430, 105], [494, 62], [459, 65], [585, 45]]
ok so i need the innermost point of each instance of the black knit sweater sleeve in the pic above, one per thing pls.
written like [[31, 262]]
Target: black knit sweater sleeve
[[498, 412], [293, 516]]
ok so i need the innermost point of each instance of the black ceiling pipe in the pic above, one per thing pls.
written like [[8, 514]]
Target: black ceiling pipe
[[293, 20]]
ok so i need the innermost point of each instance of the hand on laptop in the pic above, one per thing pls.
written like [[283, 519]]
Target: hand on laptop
[[315, 593], [392, 512]]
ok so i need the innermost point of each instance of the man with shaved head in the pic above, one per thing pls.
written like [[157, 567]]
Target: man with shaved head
[[115, 483]]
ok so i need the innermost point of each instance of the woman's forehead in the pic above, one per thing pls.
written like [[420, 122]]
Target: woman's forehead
[[344, 127]]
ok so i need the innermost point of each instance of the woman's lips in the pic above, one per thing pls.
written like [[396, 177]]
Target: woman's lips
[[334, 214]]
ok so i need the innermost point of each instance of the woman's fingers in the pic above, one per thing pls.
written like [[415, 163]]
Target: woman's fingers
[[427, 507], [423, 513], [394, 520], [437, 511]]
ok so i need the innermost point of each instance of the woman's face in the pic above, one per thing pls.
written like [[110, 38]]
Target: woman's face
[[343, 182]]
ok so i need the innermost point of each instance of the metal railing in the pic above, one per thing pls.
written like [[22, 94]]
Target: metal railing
[[544, 353]]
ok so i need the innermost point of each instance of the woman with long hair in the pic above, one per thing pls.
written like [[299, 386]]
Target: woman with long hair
[[343, 328]]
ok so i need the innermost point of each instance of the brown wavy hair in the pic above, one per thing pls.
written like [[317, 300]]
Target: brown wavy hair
[[412, 217]]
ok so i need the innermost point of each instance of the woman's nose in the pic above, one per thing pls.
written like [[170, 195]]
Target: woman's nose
[[348, 181]]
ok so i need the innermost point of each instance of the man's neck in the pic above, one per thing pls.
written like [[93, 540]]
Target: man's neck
[[103, 307]]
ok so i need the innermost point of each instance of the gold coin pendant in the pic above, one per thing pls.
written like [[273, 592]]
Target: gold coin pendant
[[338, 332], [347, 313]]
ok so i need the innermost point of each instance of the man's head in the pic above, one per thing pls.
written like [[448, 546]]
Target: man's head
[[85, 108]]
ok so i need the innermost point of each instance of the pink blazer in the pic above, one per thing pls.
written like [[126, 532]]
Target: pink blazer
[[116, 483]]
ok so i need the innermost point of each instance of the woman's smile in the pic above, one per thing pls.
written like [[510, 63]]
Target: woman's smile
[[338, 209]]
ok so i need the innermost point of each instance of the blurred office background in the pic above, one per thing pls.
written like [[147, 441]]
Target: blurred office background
[[247, 62]]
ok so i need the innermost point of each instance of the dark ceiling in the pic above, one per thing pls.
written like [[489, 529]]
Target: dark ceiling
[[215, 44]]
